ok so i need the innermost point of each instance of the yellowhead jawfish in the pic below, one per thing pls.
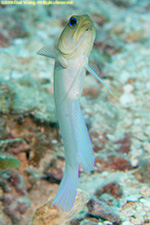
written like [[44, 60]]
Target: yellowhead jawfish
[[71, 62]]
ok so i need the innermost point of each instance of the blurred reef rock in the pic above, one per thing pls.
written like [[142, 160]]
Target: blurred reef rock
[[31, 150]]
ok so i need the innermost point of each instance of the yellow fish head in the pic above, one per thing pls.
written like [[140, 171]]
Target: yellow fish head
[[78, 36]]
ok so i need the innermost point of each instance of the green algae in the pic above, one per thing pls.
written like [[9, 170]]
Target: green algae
[[8, 162]]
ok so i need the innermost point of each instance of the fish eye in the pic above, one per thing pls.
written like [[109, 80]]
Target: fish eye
[[72, 21]]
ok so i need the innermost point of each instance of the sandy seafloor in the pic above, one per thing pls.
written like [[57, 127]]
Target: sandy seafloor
[[118, 190]]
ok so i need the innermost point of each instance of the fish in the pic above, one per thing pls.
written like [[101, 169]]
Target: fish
[[71, 63]]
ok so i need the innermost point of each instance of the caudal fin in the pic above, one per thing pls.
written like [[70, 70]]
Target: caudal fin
[[84, 145], [67, 190]]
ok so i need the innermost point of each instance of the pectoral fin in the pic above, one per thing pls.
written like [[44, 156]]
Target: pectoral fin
[[52, 53], [91, 71], [48, 52]]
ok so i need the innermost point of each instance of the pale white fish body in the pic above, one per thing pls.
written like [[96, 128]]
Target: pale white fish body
[[68, 85], [68, 82], [71, 63]]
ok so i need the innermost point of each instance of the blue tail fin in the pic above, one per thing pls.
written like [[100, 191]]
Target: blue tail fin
[[67, 191]]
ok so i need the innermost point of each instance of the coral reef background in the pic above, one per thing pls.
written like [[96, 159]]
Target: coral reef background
[[31, 150]]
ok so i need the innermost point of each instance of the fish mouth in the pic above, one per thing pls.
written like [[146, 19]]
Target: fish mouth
[[85, 26]]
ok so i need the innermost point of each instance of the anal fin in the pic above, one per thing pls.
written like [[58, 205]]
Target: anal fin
[[84, 145]]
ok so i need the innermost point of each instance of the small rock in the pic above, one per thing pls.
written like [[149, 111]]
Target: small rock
[[15, 199], [48, 214], [91, 221], [127, 223], [133, 198], [93, 92], [107, 223], [127, 100], [99, 141], [100, 209], [121, 164], [124, 144], [145, 192], [4, 42], [54, 171], [146, 202], [112, 188], [99, 19], [112, 162], [144, 170], [124, 3], [128, 88], [75, 221]]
